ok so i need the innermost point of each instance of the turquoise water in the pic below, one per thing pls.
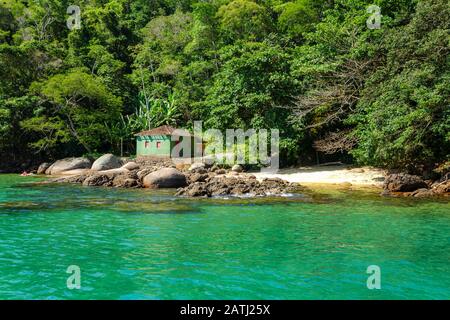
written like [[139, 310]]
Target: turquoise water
[[141, 244]]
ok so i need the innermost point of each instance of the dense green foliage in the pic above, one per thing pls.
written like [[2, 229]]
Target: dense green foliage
[[311, 68]]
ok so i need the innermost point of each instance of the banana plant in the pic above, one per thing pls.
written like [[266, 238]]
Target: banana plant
[[150, 113]]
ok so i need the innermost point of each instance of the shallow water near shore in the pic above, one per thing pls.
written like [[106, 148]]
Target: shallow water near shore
[[143, 244]]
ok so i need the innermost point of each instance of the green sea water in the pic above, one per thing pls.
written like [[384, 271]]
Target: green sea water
[[142, 244]]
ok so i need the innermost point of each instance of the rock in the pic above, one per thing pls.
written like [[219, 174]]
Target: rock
[[70, 179], [402, 182], [241, 189], [422, 193], [142, 173], [237, 186], [275, 179], [181, 166], [196, 190], [113, 172], [198, 177], [165, 178], [237, 168], [197, 165], [197, 168], [75, 172], [148, 161], [68, 164], [220, 171], [43, 167], [76, 179], [99, 179], [218, 187], [109, 178], [131, 166], [441, 188], [429, 183], [106, 162], [125, 181]]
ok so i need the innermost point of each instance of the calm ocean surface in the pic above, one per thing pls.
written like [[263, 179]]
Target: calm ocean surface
[[142, 244]]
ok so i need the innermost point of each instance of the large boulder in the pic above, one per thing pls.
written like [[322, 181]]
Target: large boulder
[[106, 162], [43, 167], [402, 182], [68, 164], [165, 178]]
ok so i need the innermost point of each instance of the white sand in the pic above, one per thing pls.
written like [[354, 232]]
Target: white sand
[[363, 176]]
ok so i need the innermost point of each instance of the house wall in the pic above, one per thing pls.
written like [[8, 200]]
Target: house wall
[[147, 146], [165, 148]]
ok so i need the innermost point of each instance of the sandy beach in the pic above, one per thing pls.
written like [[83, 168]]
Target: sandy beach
[[337, 174]]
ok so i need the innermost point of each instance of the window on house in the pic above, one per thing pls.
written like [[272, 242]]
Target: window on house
[[158, 144], [146, 144]]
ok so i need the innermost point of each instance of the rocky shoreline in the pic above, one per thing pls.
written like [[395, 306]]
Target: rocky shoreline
[[407, 185], [196, 180], [201, 180]]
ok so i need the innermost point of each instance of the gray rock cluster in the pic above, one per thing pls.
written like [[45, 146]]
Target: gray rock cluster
[[402, 184], [196, 180], [210, 186]]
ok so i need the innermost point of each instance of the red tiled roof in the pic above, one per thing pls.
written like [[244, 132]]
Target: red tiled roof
[[164, 131]]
